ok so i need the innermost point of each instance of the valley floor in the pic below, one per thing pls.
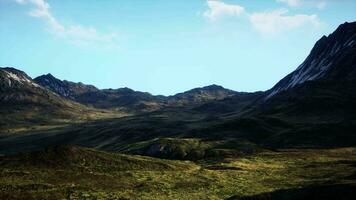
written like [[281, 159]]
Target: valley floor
[[69, 172]]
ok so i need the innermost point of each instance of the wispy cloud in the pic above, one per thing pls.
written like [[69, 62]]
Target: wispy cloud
[[76, 34], [218, 9], [278, 21], [267, 23], [320, 4]]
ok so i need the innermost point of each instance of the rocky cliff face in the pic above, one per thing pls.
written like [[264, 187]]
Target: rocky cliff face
[[333, 57], [13, 78]]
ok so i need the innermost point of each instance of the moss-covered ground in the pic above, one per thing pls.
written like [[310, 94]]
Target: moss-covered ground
[[80, 173]]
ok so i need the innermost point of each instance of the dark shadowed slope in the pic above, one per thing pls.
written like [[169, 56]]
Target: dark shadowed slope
[[325, 192]]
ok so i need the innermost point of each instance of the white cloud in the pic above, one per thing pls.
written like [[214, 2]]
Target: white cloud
[[76, 34], [218, 9], [267, 23], [278, 21]]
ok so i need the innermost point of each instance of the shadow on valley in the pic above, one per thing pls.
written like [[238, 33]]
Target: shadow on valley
[[188, 136], [325, 192]]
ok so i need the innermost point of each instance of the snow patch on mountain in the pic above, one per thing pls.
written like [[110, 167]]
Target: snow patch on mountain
[[321, 59], [12, 77], [307, 73]]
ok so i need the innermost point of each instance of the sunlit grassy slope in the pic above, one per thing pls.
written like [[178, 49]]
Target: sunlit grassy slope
[[79, 173]]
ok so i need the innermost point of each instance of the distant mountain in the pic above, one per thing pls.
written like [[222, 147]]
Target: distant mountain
[[128, 99], [24, 103], [122, 98], [64, 88], [201, 95]]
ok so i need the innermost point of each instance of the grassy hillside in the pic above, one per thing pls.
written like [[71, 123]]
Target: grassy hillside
[[22, 118], [68, 172]]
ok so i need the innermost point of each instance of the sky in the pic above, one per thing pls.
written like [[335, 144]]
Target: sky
[[166, 46]]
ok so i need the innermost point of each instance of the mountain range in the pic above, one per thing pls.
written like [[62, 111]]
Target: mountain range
[[312, 109], [126, 98], [47, 99]]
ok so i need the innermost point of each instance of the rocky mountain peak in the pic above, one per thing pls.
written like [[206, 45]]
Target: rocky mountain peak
[[213, 87], [14, 78], [63, 88], [332, 56]]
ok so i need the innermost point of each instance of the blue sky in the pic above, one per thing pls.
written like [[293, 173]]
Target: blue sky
[[166, 46]]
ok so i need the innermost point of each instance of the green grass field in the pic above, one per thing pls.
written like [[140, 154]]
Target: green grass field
[[79, 173]]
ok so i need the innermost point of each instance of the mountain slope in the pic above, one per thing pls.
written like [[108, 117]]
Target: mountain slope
[[24, 103], [325, 84], [332, 58]]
